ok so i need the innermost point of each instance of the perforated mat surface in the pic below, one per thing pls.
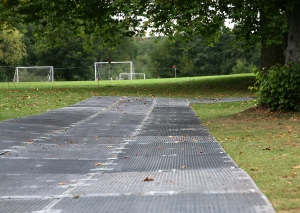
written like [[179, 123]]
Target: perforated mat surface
[[120, 154]]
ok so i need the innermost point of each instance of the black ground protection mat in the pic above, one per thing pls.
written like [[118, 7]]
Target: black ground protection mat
[[46, 166], [23, 205], [120, 154], [182, 181], [170, 162], [170, 149], [64, 150], [189, 203], [38, 186]]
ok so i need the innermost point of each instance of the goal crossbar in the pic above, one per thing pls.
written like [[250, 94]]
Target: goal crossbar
[[114, 62], [51, 71]]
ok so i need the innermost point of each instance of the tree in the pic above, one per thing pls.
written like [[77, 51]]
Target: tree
[[12, 49], [72, 61], [292, 52], [195, 58], [267, 20], [30, 43], [260, 21], [142, 62], [164, 55], [275, 23], [90, 17]]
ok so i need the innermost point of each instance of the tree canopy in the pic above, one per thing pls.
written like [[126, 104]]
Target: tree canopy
[[12, 48], [269, 21]]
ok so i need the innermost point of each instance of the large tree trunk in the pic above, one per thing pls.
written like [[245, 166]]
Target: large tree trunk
[[270, 54], [292, 52]]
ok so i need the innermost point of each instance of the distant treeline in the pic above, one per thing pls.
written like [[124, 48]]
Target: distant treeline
[[74, 57]]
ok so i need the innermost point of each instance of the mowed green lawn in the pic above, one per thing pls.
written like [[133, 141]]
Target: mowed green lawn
[[265, 144], [20, 99]]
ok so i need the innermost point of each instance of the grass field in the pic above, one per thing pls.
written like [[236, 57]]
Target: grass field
[[20, 99], [265, 144]]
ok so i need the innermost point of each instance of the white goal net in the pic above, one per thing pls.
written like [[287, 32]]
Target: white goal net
[[34, 74], [134, 76], [111, 70]]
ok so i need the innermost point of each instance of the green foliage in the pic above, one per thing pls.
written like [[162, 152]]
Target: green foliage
[[89, 17], [197, 59], [12, 49], [72, 59], [279, 88], [188, 18], [2, 74], [269, 28], [242, 67], [154, 56]]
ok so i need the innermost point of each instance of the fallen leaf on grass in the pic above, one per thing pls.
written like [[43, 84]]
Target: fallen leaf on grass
[[296, 167], [268, 148], [149, 179], [294, 175]]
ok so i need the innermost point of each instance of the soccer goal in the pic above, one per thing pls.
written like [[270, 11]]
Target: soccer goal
[[128, 76], [111, 70], [34, 74]]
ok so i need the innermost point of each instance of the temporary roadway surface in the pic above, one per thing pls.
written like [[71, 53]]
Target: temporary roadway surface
[[120, 154]]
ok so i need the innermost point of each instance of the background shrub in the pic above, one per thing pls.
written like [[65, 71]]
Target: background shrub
[[279, 88], [243, 67]]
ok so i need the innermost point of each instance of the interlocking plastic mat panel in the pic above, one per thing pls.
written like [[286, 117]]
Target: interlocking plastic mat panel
[[120, 154], [164, 202], [23, 205], [38, 186], [183, 181], [17, 166]]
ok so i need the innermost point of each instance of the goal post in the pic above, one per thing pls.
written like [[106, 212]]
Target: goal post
[[34, 74], [133, 76], [99, 65]]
